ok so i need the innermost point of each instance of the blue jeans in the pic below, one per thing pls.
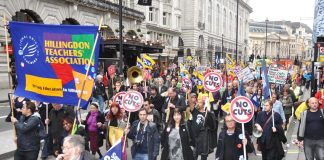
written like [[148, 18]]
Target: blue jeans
[[139, 156], [100, 100]]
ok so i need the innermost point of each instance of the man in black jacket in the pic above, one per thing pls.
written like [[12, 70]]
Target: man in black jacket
[[231, 141], [204, 129], [145, 136], [28, 139], [157, 99]]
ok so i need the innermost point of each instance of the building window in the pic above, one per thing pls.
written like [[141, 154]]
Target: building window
[[156, 15], [164, 18], [218, 20], [210, 16], [151, 14], [224, 23], [231, 26], [178, 22]]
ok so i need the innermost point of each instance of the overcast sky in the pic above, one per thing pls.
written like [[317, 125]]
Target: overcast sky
[[291, 10]]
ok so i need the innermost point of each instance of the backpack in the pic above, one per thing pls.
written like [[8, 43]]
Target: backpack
[[41, 130]]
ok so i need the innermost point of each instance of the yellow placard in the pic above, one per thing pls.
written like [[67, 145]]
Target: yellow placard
[[44, 86], [321, 59], [115, 134]]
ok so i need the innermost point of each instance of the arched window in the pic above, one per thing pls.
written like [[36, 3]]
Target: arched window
[[231, 26], [210, 22], [201, 42]]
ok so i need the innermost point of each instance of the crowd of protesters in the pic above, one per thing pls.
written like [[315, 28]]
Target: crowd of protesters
[[183, 123]]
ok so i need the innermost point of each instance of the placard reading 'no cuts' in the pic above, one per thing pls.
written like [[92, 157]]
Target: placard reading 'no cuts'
[[241, 109], [132, 101], [213, 82], [118, 98], [186, 83]]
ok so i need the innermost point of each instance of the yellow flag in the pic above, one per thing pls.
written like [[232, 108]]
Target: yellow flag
[[139, 63], [229, 62], [115, 134], [226, 108], [148, 61], [211, 97], [189, 58]]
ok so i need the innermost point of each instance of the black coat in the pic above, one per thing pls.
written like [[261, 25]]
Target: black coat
[[185, 137], [153, 139], [205, 137], [237, 151], [158, 101], [27, 130], [101, 132]]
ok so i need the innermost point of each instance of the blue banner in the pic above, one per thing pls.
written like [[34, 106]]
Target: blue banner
[[52, 61], [265, 81], [115, 152]]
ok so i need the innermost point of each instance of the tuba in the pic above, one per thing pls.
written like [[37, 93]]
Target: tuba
[[135, 75]]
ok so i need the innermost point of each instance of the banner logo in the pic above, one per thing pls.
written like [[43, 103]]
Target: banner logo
[[28, 49]]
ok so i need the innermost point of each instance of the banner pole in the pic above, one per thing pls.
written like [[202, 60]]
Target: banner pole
[[88, 68], [145, 88], [9, 77], [7, 52], [125, 136], [243, 135], [47, 118]]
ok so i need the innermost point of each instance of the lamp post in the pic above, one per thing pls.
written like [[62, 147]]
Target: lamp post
[[121, 59], [223, 47], [278, 54], [266, 41], [237, 21]]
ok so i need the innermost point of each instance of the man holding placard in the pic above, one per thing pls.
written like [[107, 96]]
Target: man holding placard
[[231, 141], [272, 133]]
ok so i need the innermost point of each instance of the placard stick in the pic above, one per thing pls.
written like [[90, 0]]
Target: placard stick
[[88, 68], [243, 135], [125, 136]]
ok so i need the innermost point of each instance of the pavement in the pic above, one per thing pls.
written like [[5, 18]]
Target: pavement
[[8, 146]]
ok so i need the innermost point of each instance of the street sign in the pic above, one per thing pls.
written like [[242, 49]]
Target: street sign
[[186, 83], [241, 109], [212, 82], [118, 98], [132, 101]]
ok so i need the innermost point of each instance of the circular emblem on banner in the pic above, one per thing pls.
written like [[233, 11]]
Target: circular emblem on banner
[[212, 82], [28, 49], [132, 101], [186, 83], [242, 109], [118, 98]]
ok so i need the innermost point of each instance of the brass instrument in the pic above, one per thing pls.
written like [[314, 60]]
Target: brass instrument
[[135, 75]]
